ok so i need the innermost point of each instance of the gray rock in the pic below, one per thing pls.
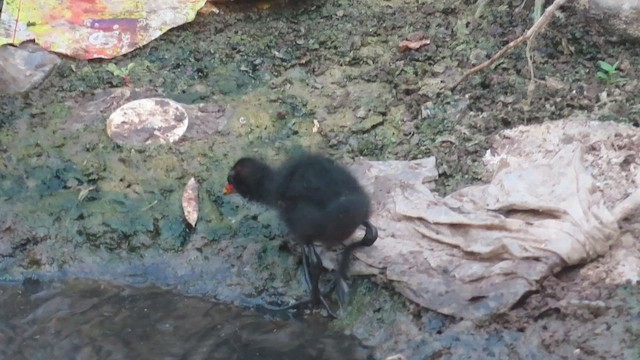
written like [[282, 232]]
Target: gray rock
[[620, 16], [24, 67]]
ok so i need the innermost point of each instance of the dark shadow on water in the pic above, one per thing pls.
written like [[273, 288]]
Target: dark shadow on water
[[97, 320]]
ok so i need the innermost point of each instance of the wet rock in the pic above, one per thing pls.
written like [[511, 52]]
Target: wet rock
[[477, 56], [620, 16], [369, 123], [24, 67], [355, 42], [296, 73], [362, 113]]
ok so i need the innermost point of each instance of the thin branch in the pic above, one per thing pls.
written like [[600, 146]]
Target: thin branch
[[530, 34]]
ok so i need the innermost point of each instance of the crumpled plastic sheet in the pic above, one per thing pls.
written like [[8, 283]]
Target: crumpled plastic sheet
[[92, 29], [477, 251]]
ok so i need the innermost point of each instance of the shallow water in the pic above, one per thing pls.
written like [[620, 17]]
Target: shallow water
[[97, 320]]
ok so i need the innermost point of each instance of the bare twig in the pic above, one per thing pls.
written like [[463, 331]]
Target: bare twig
[[529, 35], [532, 81]]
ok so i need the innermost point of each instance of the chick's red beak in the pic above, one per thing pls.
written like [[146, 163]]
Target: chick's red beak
[[229, 189]]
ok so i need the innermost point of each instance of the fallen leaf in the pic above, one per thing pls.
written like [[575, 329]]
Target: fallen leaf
[[208, 8], [190, 202], [413, 45], [84, 191]]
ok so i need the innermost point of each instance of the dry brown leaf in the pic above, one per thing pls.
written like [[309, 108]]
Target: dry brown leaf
[[208, 8], [413, 45], [190, 202]]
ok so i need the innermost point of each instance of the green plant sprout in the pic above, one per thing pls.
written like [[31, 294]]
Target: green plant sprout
[[609, 73], [121, 72]]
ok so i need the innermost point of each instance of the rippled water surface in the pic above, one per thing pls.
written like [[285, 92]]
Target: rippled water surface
[[90, 320]]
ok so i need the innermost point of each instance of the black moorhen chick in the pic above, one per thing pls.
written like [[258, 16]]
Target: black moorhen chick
[[319, 201]]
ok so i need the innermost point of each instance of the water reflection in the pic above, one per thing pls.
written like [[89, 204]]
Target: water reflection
[[89, 320]]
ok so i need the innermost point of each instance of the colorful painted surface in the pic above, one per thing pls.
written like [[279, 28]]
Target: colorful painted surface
[[87, 29]]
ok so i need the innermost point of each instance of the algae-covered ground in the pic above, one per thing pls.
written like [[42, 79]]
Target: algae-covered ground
[[319, 75]]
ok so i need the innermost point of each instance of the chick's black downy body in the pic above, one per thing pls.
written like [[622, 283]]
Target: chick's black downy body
[[319, 201]]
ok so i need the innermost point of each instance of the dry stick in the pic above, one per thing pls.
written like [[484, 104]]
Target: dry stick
[[532, 80], [531, 33]]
